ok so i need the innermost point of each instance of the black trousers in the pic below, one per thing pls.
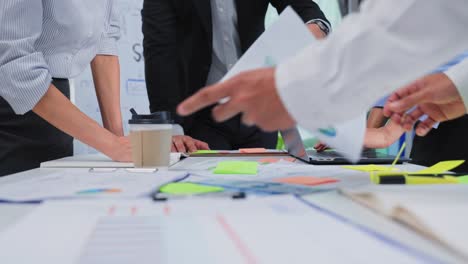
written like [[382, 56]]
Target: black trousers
[[448, 142], [229, 135], [27, 140]]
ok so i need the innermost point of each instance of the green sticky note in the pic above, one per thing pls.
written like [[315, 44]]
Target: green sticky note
[[442, 167], [463, 179], [237, 167], [188, 188], [206, 152]]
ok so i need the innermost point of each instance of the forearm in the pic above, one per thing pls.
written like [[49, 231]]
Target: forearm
[[106, 75], [56, 109]]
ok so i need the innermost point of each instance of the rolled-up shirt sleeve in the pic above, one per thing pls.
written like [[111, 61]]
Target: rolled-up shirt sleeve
[[459, 76], [369, 55], [24, 73], [108, 43]]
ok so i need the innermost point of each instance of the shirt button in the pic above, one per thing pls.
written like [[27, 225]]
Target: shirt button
[[90, 34], [221, 10], [226, 38]]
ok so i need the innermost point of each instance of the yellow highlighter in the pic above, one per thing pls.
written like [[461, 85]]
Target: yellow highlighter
[[413, 179]]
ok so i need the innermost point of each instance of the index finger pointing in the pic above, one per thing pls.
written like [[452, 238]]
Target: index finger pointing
[[205, 97]]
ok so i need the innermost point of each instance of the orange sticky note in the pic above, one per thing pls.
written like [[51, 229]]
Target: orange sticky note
[[252, 150], [275, 160], [306, 180]]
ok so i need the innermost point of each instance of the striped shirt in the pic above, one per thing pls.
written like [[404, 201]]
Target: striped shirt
[[41, 39]]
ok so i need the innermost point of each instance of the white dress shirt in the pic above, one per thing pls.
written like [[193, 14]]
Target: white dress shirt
[[459, 76], [226, 39], [41, 39], [386, 45]]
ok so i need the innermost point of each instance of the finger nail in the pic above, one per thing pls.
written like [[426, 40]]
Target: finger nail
[[181, 110]]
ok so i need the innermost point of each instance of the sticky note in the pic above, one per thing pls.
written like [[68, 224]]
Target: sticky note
[[463, 179], [275, 160], [188, 188], [306, 180], [206, 152], [252, 150], [368, 168], [236, 167], [442, 167]]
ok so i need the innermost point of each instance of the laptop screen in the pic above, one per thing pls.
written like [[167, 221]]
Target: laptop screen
[[293, 142]]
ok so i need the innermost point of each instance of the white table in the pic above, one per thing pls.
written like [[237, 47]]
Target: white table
[[329, 201]]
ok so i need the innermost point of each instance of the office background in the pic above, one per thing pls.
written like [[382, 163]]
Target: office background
[[133, 90]]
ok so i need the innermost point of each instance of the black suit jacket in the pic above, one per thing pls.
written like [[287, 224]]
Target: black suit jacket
[[178, 42]]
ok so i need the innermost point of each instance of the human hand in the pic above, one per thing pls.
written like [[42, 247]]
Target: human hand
[[187, 144], [320, 147], [251, 93], [316, 31], [384, 136], [435, 96], [121, 150]]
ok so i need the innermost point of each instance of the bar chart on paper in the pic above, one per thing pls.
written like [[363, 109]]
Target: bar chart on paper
[[120, 239], [277, 230]]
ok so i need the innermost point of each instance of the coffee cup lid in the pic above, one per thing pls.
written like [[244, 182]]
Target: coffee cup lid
[[156, 118]]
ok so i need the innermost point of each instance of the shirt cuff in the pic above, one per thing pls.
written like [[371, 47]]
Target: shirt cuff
[[327, 24], [459, 76], [108, 46], [23, 90]]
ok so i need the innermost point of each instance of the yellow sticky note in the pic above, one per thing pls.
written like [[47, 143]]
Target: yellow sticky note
[[206, 152], [368, 168], [442, 167], [252, 150], [187, 188], [237, 167]]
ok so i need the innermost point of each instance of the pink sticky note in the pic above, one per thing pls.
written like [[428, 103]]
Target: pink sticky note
[[275, 160], [252, 150], [306, 180]]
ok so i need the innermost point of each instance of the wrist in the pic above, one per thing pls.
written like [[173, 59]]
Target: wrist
[[107, 142], [115, 128], [319, 28], [316, 31]]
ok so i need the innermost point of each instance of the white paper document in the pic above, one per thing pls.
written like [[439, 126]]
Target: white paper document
[[83, 184], [95, 161], [283, 40], [439, 212], [267, 230]]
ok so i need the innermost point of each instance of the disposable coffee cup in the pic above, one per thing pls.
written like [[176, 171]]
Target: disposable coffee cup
[[151, 138]]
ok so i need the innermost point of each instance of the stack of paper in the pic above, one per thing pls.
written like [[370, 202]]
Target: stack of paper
[[95, 161], [439, 212], [80, 183], [277, 230]]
